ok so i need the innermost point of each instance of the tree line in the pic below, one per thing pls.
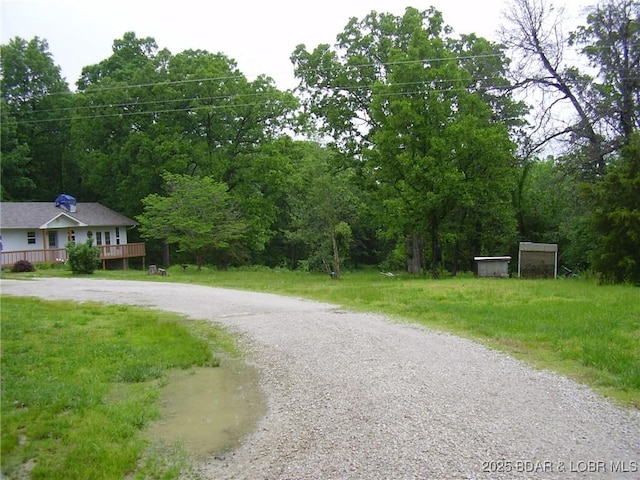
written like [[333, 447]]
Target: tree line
[[404, 146]]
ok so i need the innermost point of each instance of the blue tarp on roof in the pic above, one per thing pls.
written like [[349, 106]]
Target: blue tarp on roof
[[67, 202]]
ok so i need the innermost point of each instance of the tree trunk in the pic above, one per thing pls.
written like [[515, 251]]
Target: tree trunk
[[477, 245], [336, 258], [414, 261], [456, 257], [436, 254], [165, 254]]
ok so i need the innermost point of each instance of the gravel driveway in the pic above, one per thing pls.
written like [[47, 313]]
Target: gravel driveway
[[358, 396]]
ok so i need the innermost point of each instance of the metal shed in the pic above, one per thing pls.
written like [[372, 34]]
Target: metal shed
[[493, 266], [538, 260]]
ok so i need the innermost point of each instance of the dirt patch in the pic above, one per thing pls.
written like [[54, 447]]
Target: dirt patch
[[209, 410]]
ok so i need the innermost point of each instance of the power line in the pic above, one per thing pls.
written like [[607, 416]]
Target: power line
[[256, 94], [220, 107], [469, 82], [242, 76]]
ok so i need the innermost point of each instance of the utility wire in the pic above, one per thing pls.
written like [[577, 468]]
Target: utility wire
[[219, 107], [242, 76], [469, 82], [259, 94]]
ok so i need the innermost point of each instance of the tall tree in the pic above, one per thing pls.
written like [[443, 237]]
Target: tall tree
[[616, 217], [611, 42], [15, 168], [418, 115], [36, 108], [604, 108], [146, 111], [231, 124], [130, 55], [119, 143]]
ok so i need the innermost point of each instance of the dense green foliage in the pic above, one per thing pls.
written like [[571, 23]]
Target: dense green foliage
[[83, 257], [425, 157], [35, 140], [617, 218], [434, 149], [81, 382], [197, 215]]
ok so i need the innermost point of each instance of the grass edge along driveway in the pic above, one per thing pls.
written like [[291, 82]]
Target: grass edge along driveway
[[80, 382]]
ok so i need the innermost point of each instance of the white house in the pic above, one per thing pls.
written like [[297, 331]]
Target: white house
[[39, 232]]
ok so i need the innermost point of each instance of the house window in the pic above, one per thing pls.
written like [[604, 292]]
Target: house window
[[53, 239], [89, 234], [71, 236], [107, 238], [117, 235], [98, 238], [31, 238]]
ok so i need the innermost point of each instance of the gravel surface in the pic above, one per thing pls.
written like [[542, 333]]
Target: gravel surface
[[358, 396]]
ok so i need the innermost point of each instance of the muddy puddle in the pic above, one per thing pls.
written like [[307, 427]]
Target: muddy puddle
[[209, 410]]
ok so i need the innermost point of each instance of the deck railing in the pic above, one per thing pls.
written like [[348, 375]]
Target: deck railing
[[59, 255]]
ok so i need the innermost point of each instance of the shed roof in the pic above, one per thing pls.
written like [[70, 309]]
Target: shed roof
[[492, 259], [38, 214], [538, 247]]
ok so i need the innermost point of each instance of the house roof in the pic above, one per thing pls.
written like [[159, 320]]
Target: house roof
[[39, 214]]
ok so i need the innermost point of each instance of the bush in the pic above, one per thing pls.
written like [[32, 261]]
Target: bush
[[84, 257], [22, 266]]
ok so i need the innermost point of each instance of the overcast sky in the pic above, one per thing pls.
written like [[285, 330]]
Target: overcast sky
[[259, 34]]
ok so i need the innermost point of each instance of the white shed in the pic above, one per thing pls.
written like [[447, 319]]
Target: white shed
[[493, 266]]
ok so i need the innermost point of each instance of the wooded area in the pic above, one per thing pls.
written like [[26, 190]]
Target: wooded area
[[403, 147]]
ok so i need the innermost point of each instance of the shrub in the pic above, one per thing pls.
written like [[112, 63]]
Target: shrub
[[22, 266], [83, 257]]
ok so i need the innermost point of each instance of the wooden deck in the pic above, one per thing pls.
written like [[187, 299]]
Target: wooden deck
[[59, 255]]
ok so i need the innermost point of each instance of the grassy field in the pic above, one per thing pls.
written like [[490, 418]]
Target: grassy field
[[81, 381], [576, 327]]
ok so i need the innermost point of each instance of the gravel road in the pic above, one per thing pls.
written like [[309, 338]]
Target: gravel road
[[358, 396]]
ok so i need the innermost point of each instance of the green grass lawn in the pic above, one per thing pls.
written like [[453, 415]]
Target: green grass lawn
[[81, 381]]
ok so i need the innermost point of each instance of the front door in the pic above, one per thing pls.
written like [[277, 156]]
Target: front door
[[53, 239]]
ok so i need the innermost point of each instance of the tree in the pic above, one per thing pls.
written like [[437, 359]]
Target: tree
[[419, 116], [616, 218], [604, 107], [15, 168], [611, 42], [130, 55], [35, 123], [145, 111], [551, 209], [231, 125], [198, 215], [323, 208], [121, 143], [605, 120]]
